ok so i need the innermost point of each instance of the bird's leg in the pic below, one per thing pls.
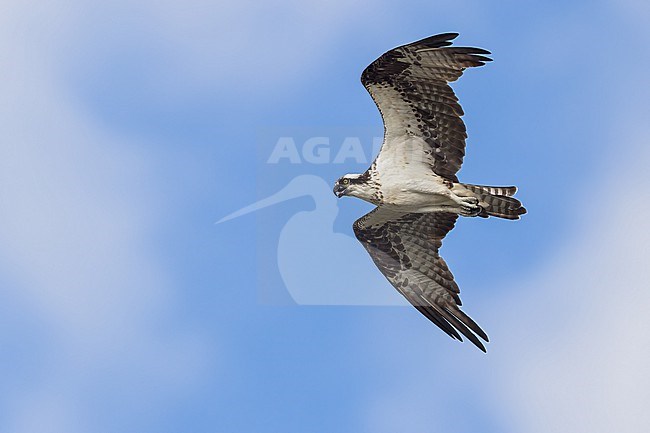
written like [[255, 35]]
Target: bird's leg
[[468, 206]]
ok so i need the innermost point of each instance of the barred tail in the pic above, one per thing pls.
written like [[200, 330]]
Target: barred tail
[[497, 201]]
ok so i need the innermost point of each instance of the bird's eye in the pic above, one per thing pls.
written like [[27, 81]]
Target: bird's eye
[[346, 181]]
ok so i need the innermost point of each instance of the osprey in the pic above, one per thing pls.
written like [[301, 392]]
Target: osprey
[[413, 179]]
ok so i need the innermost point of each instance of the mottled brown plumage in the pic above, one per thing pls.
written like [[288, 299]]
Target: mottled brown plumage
[[413, 181], [410, 86]]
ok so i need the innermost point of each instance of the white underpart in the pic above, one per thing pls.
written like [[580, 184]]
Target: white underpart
[[403, 167], [426, 194]]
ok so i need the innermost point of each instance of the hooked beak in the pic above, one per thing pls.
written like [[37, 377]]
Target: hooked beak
[[339, 190]]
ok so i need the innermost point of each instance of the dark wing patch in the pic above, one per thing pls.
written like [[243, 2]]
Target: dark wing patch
[[404, 246], [410, 86]]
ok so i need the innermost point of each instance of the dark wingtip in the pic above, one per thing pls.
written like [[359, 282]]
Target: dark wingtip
[[470, 323], [437, 41], [449, 35], [481, 51], [478, 343], [483, 59]]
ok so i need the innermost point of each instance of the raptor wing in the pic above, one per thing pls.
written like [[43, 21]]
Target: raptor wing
[[404, 246], [421, 113]]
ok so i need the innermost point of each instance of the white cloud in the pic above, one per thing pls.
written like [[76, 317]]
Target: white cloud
[[250, 49], [75, 230], [570, 342], [78, 218], [582, 339]]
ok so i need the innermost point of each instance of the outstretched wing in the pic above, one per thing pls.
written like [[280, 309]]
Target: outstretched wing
[[404, 246], [410, 86]]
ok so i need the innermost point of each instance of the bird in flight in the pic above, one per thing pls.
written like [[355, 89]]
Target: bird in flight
[[413, 181]]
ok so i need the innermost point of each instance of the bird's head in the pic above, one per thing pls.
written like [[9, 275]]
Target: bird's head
[[342, 184], [355, 185]]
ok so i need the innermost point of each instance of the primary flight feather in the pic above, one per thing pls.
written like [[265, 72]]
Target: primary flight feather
[[413, 180]]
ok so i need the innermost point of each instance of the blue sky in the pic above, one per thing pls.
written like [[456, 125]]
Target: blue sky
[[129, 129]]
